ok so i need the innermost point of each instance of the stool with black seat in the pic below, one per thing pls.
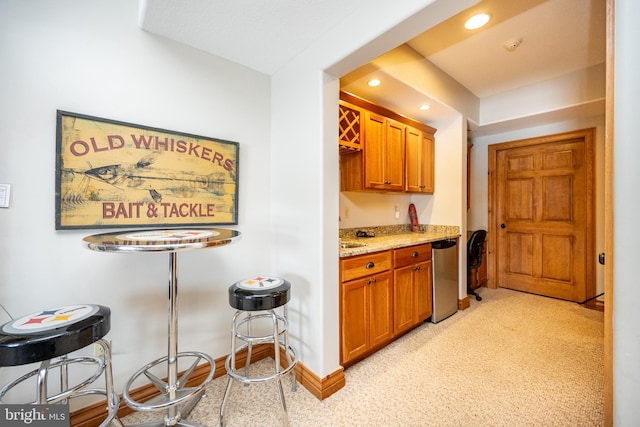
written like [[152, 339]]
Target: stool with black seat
[[261, 300], [48, 337], [474, 257]]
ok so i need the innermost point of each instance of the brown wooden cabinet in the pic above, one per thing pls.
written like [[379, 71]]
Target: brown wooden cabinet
[[384, 153], [382, 295], [366, 297], [395, 153], [351, 129], [411, 287], [419, 161]]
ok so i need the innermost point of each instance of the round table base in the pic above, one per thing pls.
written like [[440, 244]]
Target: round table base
[[187, 397]]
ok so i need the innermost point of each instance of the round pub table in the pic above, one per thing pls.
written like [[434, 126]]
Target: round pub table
[[173, 392]]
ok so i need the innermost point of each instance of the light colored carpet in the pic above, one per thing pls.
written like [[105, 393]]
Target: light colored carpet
[[513, 359]]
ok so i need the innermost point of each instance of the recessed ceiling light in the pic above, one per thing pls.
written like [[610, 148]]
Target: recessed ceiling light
[[425, 107], [477, 21], [374, 82]]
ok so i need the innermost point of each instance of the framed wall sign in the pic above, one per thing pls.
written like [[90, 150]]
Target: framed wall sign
[[115, 174]]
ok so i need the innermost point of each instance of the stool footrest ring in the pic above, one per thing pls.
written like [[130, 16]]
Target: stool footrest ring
[[62, 363], [249, 380], [182, 393]]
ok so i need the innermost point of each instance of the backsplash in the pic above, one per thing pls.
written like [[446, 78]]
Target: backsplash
[[383, 230]]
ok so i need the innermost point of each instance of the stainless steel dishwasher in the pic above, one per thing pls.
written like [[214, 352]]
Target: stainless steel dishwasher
[[445, 278]]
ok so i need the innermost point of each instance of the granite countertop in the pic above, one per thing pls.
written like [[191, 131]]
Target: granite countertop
[[396, 239]]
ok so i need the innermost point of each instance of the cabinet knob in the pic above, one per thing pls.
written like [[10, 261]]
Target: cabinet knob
[[415, 254], [370, 264]]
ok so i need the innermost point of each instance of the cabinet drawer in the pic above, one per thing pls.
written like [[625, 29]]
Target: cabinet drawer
[[364, 265], [411, 255]]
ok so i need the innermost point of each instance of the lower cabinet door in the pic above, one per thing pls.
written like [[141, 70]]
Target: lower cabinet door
[[354, 319], [381, 309], [404, 315], [423, 290]]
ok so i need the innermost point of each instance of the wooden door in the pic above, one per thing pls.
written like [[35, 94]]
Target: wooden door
[[384, 153], [374, 154], [381, 309], [422, 279], [354, 319], [413, 144], [395, 155], [428, 164], [419, 161], [403, 299], [542, 215]]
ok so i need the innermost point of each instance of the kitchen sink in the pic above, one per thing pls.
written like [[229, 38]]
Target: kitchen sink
[[347, 245]]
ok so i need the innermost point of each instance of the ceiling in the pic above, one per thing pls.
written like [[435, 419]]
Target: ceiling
[[555, 37]]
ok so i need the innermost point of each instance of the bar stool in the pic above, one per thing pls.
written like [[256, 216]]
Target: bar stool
[[48, 337], [257, 299]]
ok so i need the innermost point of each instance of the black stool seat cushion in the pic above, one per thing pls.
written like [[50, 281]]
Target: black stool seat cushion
[[51, 333], [259, 293]]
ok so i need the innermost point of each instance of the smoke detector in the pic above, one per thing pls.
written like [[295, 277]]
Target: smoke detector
[[512, 44]]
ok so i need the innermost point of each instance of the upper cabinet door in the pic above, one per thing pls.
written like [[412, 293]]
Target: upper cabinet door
[[419, 161], [374, 151], [394, 159], [384, 153]]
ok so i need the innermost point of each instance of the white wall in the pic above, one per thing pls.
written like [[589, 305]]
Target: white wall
[[369, 209], [626, 317], [92, 58], [571, 89]]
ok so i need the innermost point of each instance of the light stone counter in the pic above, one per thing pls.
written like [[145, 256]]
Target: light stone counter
[[401, 238]]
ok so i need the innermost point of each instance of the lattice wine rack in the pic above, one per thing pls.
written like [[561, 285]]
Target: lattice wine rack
[[350, 126]]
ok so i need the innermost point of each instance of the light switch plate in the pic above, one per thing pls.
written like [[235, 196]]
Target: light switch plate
[[5, 192]]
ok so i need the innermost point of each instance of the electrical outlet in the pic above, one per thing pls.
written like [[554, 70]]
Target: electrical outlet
[[396, 213], [346, 212]]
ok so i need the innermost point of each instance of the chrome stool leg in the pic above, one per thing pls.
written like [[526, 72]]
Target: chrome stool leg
[[276, 351], [231, 361], [294, 383], [249, 348], [41, 382]]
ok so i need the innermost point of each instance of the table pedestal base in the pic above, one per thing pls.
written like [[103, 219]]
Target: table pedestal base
[[177, 399]]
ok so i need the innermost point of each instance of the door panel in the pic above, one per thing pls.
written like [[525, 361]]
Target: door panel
[[374, 154], [403, 299], [543, 212], [381, 314], [394, 161], [553, 248], [519, 250], [354, 314], [519, 194]]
